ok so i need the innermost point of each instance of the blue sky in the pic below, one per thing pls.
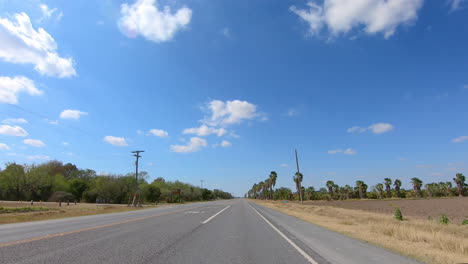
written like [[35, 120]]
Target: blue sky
[[224, 91]]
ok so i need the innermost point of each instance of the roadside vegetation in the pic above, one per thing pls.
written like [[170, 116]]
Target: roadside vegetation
[[385, 214], [54, 181]]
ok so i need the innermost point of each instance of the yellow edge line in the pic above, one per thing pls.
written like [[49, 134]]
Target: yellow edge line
[[87, 229]]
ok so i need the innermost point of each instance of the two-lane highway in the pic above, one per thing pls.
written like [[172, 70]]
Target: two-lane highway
[[214, 232]]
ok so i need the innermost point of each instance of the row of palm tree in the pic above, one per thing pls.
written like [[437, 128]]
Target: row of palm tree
[[264, 189]]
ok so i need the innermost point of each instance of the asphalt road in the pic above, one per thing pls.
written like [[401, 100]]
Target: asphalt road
[[214, 232]]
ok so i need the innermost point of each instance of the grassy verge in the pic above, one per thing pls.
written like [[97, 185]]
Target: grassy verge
[[10, 215], [424, 240]]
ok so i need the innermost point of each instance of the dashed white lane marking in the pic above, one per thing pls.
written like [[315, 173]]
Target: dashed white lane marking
[[213, 216], [305, 255]]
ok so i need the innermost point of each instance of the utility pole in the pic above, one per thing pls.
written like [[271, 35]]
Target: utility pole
[[300, 182], [136, 196]]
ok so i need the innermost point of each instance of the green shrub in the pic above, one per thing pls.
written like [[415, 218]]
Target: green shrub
[[443, 219], [398, 215], [465, 222]]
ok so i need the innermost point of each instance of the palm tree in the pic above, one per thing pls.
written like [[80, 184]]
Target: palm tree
[[388, 187], [273, 177], [261, 187], [361, 187], [417, 183], [309, 193], [397, 185], [347, 190], [330, 185], [254, 190], [460, 181], [298, 177], [379, 188]]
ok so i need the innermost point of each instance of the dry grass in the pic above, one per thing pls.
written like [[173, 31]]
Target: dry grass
[[424, 240], [55, 212]]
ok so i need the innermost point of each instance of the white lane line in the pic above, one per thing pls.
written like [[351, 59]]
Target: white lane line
[[213, 216], [305, 255]]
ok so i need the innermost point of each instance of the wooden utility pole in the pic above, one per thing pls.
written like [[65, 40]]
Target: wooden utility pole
[[136, 196], [297, 175]]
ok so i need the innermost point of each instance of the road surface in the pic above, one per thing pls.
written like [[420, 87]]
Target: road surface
[[235, 231]]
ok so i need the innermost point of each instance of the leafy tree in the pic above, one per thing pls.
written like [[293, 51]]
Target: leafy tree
[[78, 187], [152, 193], [417, 183], [361, 187], [379, 188], [330, 185], [460, 181]]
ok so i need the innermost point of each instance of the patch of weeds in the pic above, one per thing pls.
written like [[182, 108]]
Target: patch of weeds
[[398, 215], [443, 219], [4, 210], [465, 222]]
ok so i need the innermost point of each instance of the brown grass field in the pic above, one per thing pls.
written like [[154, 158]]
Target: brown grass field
[[373, 222], [455, 208], [53, 211]]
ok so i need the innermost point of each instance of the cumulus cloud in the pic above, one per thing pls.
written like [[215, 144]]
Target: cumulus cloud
[[225, 143], [21, 43], [373, 16], [146, 18], [194, 145], [116, 141], [159, 132], [38, 157], [205, 130], [14, 121], [72, 114], [4, 146], [34, 142], [377, 128], [348, 151], [11, 87], [460, 139], [284, 165], [230, 112], [16, 131], [48, 12]]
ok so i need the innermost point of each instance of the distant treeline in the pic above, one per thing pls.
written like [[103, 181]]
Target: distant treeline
[[54, 181], [387, 189]]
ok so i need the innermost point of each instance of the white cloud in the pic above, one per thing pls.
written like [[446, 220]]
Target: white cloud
[[52, 122], [377, 128], [72, 114], [225, 143], [284, 165], [348, 151], [46, 11], [292, 112], [424, 166], [226, 32], [455, 4], [356, 129], [38, 157], [336, 151], [194, 145], [4, 146], [16, 131], [116, 141], [14, 121], [374, 16], [159, 132], [21, 43], [230, 112], [11, 87], [145, 18], [34, 142], [205, 130], [380, 128], [460, 139], [65, 143]]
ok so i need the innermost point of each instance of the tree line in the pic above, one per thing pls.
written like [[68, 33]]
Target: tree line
[[55, 181], [331, 191]]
